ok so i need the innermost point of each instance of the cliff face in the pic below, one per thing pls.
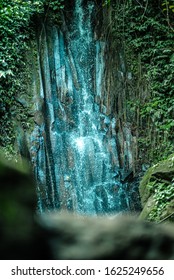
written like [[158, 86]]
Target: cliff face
[[82, 147]]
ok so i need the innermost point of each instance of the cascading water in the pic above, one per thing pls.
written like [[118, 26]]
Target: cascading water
[[74, 150]]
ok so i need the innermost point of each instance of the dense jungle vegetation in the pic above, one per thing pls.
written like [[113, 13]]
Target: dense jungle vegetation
[[16, 30], [145, 28]]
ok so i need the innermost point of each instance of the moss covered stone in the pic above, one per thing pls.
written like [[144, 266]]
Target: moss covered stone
[[157, 191]]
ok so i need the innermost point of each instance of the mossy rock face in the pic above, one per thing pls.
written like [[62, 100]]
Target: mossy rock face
[[148, 207], [164, 170], [168, 210], [157, 191]]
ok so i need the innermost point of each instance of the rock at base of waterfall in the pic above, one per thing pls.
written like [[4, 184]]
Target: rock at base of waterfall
[[75, 237]]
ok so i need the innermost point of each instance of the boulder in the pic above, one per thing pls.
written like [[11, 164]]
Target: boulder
[[74, 237], [155, 186]]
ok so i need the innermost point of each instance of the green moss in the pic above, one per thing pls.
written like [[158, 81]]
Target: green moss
[[163, 196], [148, 208], [157, 185]]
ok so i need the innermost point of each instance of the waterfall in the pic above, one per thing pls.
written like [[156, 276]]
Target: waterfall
[[74, 145]]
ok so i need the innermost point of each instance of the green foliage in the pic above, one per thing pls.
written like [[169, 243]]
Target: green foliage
[[52, 9], [146, 30], [106, 3], [163, 196], [55, 5], [15, 32], [14, 21], [157, 190], [167, 5]]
